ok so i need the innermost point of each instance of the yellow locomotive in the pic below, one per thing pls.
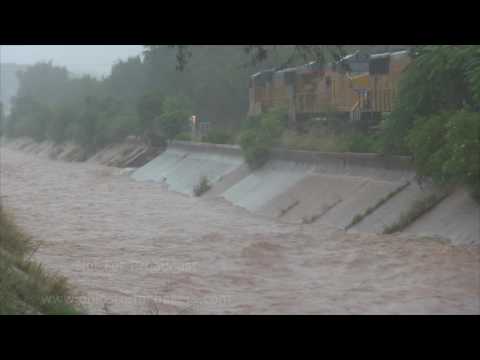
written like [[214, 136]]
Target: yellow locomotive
[[359, 84]]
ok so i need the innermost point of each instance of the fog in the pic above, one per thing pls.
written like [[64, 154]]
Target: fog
[[79, 59]]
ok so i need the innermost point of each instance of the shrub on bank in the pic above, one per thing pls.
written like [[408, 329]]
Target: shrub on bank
[[258, 139], [184, 136], [202, 187], [219, 137], [255, 148], [446, 147]]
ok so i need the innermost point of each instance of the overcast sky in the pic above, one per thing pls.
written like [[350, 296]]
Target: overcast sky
[[80, 59]]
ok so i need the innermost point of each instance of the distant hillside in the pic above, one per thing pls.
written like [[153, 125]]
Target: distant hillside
[[9, 82]]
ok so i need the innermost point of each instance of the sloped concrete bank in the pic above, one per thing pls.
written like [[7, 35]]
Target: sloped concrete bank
[[130, 153], [183, 164], [132, 247], [457, 217], [355, 192]]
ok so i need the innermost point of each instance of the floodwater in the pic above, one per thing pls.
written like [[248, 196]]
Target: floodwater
[[136, 248]]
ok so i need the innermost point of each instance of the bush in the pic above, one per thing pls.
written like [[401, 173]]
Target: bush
[[218, 137], [58, 125], [255, 147], [173, 119], [202, 187], [115, 128], [463, 142], [426, 141], [446, 147], [436, 117], [315, 141], [257, 140], [360, 143], [441, 78], [184, 136]]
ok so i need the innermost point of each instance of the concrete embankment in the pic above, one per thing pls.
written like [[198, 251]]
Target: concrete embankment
[[457, 217], [130, 153], [355, 192], [183, 164]]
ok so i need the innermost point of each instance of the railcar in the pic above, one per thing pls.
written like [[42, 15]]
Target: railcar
[[358, 86]]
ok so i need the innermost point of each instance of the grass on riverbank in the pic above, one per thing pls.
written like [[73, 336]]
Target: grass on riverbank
[[25, 287]]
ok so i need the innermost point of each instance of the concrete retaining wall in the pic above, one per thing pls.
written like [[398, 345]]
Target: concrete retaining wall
[[125, 154], [259, 187], [182, 165], [295, 186], [314, 188], [390, 212], [456, 218]]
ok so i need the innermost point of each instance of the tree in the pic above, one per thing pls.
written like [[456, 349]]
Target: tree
[[174, 118], [150, 107], [127, 80], [441, 78], [44, 82], [437, 117], [260, 53]]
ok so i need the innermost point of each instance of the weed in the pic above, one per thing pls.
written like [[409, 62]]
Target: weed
[[202, 187]]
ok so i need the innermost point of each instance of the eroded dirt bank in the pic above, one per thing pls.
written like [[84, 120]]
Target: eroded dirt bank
[[133, 247]]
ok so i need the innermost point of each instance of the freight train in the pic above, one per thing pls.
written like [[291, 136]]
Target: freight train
[[359, 86]]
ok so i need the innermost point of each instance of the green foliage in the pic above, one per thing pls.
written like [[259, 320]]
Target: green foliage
[[25, 288], [255, 147], [44, 82], [215, 81], [446, 147], [274, 122], [361, 143], [116, 128], [58, 123], [257, 141], [202, 187], [314, 141], [149, 108], [463, 142], [428, 144], [93, 113], [127, 81], [441, 78], [436, 118], [28, 118], [184, 136], [173, 118], [218, 137]]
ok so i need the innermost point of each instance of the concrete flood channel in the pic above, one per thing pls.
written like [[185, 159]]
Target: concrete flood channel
[[316, 188], [278, 240]]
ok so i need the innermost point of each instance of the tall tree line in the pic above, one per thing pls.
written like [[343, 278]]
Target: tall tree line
[[143, 95]]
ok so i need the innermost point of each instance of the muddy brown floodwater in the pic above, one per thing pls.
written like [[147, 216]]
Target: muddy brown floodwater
[[131, 248]]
